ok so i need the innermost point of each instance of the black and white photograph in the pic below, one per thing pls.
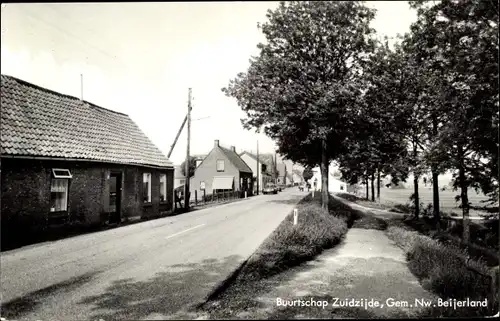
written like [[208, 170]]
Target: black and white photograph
[[257, 160]]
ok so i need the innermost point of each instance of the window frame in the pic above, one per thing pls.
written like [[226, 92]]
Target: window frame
[[57, 176], [144, 175], [67, 180], [217, 165], [164, 192]]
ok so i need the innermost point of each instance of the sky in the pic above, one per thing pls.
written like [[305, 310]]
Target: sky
[[141, 58]]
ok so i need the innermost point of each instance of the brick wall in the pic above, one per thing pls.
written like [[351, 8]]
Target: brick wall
[[25, 192]]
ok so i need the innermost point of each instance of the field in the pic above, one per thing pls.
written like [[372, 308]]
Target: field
[[446, 198]]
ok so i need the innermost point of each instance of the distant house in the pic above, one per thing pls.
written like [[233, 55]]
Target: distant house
[[297, 176], [221, 170], [334, 184], [67, 160], [266, 164], [283, 177], [179, 178]]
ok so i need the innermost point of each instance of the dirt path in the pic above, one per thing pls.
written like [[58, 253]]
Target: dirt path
[[366, 265]]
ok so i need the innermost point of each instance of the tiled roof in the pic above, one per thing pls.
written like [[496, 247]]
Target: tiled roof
[[236, 160], [267, 159], [199, 156], [43, 123]]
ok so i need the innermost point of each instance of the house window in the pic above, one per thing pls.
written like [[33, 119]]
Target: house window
[[59, 194], [182, 181], [146, 180], [220, 165], [163, 188]]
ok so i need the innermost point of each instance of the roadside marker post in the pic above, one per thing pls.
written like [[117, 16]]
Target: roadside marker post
[[245, 194], [295, 216]]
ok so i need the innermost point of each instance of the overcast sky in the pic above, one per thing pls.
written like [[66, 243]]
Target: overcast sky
[[140, 59]]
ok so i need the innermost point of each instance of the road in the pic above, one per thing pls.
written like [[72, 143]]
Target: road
[[150, 270]]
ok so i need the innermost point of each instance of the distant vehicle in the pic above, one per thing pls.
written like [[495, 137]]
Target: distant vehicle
[[270, 189], [281, 187]]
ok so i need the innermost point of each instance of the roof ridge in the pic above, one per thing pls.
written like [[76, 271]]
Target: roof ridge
[[30, 84], [39, 115]]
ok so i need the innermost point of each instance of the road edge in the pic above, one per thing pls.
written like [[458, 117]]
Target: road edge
[[221, 286]]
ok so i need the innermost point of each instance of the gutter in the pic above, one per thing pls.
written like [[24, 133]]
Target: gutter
[[85, 160]]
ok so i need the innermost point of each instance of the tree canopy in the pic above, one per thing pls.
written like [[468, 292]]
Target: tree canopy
[[302, 88]]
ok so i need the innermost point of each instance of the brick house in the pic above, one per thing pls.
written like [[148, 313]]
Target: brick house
[[266, 164], [221, 170], [65, 160]]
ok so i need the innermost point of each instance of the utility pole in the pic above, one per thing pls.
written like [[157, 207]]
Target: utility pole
[[186, 185], [258, 167]]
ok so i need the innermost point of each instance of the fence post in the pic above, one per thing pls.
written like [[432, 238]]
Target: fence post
[[295, 216], [204, 197], [195, 197]]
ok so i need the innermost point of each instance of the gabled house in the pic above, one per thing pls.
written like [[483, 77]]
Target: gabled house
[[221, 170], [67, 160], [267, 172]]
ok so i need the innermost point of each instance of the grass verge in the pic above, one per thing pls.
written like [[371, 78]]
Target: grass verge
[[447, 271], [290, 245]]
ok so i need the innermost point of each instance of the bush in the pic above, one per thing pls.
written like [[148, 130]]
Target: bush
[[403, 208], [442, 268], [348, 197], [341, 210], [290, 245]]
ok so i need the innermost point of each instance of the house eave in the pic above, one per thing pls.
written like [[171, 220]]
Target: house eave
[[84, 160]]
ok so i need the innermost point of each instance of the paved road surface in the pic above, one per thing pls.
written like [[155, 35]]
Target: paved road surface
[[148, 270]]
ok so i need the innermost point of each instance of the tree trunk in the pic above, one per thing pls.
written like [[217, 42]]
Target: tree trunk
[[324, 175], [378, 184], [415, 191], [465, 204], [373, 186], [367, 188], [415, 180], [435, 179], [435, 195]]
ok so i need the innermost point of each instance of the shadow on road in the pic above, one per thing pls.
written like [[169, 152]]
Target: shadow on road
[[18, 308], [166, 294]]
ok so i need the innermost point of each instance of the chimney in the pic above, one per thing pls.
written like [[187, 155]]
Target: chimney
[[216, 143], [233, 149]]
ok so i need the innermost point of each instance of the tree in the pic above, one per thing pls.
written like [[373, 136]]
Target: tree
[[307, 174], [302, 87], [192, 167], [462, 39], [376, 144]]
